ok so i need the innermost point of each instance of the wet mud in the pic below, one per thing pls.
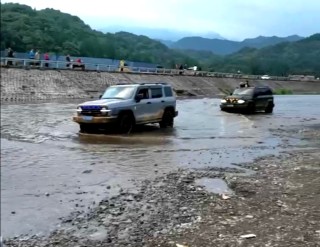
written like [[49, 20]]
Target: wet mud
[[272, 190], [277, 205]]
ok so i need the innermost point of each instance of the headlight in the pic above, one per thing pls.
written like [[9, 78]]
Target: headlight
[[223, 101], [79, 110], [240, 101], [104, 110]]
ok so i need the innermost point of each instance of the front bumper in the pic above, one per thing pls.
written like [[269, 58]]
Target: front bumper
[[233, 107], [94, 120]]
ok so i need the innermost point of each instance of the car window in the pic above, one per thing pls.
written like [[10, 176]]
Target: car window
[[168, 92], [243, 91], [156, 92], [268, 91], [263, 91], [144, 92], [118, 92], [258, 92]]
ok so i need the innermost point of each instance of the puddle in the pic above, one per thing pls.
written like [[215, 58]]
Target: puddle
[[214, 185]]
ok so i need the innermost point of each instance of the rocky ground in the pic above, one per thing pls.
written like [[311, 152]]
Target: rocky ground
[[276, 205]]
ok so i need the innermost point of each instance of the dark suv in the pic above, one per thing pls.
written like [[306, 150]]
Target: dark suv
[[249, 100]]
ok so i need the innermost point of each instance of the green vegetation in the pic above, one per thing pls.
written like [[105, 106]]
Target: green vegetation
[[300, 57], [225, 47], [23, 28], [282, 91]]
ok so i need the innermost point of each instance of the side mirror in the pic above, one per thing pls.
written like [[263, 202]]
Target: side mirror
[[230, 93], [100, 96], [138, 97]]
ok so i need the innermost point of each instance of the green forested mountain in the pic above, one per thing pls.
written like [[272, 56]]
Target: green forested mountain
[[300, 57], [226, 47], [23, 28], [49, 30]]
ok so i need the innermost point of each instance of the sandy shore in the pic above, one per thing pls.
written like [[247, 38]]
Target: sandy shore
[[276, 203]]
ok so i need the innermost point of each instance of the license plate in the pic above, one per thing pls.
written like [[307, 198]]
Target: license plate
[[230, 105], [87, 118]]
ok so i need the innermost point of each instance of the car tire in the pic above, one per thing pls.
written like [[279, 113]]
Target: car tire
[[167, 119], [269, 108], [251, 108], [126, 123], [86, 128]]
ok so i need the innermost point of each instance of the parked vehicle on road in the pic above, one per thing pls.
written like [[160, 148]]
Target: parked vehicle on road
[[78, 63], [123, 106], [249, 100], [265, 77]]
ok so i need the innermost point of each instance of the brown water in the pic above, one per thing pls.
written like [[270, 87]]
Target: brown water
[[48, 170]]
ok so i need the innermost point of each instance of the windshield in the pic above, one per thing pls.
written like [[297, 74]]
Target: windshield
[[243, 91], [118, 93]]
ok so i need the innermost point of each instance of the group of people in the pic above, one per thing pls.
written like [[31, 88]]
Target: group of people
[[36, 56]]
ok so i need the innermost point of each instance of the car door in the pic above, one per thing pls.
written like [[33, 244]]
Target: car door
[[157, 102], [259, 98], [143, 111]]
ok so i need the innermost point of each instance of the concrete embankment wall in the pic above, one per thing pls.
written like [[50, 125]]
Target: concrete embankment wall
[[34, 84]]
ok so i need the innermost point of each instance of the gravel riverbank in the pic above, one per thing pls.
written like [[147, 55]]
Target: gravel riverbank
[[275, 204]]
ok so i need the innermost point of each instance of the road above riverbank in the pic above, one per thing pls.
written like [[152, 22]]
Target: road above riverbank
[[20, 85]]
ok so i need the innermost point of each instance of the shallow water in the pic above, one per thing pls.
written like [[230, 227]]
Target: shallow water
[[214, 185], [49, 170]]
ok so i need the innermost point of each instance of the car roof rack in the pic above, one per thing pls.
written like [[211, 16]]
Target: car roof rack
[[122, 83], [153, 83]]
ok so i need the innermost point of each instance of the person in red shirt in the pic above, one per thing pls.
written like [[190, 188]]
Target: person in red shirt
[[47, 58]]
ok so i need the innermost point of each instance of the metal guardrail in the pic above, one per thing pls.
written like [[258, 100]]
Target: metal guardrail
[[49, 64]]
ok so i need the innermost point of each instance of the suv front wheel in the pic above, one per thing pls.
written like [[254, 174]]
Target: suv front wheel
[[86, 128], [269, 108], [251, 108], [167, 119], [126, 123]]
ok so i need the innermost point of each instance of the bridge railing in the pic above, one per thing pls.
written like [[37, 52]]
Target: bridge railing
[[60, 65]]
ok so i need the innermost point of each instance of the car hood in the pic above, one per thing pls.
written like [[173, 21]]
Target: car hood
[[106, 102]]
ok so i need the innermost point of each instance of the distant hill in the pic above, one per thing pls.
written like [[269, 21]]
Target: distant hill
[[263, 41], [164, 34], [167, 43], [298, 57], [224, 47]]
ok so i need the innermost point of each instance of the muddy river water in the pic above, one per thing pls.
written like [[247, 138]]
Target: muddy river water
[[48, 170]]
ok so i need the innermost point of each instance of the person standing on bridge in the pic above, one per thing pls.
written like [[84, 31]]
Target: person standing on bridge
[[46, 58], [68, 59], [37, 57], [10, 55], [121, 65], [31, 54]]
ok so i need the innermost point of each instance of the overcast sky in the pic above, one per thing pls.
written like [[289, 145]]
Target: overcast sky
[[233, 19]]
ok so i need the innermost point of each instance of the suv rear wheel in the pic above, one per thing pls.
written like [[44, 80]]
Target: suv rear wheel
[[167, 119], [269, 108], [126, 123]]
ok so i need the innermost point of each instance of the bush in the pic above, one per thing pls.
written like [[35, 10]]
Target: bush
[[282, 91]]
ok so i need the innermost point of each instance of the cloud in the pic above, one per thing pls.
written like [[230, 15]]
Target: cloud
[[230, 18]]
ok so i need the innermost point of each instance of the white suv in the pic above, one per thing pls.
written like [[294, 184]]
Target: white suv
[[127, 105]]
